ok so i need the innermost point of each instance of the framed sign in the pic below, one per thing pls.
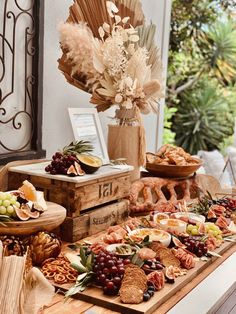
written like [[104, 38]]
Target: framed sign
[[86, 126]]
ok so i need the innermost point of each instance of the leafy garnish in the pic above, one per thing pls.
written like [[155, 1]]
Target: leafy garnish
[[136, 260], [74, 246], [86, 274]]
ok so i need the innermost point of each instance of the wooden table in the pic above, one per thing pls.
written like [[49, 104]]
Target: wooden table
[[76, 306]]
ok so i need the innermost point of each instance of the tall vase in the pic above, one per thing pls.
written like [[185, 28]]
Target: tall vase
[[124, 141]]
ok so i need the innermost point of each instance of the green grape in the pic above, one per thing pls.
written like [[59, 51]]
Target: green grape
[[194, 231], [17, 204], [3, 210], [8, 196], [190, 227], [2, 196], [10, 210], [7, 200], [6, 203]]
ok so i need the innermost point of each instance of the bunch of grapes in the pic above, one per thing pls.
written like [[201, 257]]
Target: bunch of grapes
[[210, 229], [7, 203], [213, 230], [109, 270], [195, 246], [61, 163]]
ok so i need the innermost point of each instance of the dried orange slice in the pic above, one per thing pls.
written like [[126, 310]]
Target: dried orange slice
[[29, 191]]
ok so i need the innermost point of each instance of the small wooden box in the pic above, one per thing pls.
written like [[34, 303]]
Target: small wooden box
[[94, 221], [76, 194]]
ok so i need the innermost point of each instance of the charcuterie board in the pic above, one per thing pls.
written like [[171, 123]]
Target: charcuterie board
[[49, 220], [95, 295]]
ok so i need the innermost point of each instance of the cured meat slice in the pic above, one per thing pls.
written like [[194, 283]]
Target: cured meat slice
[[157, 278], [146, 253], [186, 259], [222, 222]]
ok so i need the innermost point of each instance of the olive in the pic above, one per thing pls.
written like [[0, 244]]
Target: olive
[[146, 296], [151, 288], [151, 293]]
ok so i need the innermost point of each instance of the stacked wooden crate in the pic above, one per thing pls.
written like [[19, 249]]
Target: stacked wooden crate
[[93, 202]]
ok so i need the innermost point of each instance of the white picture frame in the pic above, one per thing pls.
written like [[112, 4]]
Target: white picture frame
[[86, 126]]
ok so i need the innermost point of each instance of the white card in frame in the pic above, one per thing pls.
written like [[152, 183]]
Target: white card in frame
[[86, 126]]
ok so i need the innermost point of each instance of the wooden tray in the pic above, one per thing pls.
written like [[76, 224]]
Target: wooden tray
[[52, 218], [95, 295]]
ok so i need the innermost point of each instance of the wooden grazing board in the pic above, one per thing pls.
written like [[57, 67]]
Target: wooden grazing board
[[95, 295], [52, 218]]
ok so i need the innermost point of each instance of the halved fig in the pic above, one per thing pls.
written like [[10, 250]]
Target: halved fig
[[26, 208], [201, 228], [72, 171], [178, 243], [89, 163], [78, 169], [169, 274], [21, 214]]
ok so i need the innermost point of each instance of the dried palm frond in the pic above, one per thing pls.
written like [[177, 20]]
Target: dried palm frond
[[94, 13], [147, 40]]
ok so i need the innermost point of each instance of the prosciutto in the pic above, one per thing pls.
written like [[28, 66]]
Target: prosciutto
[[146, 253], [186, 259], [157, 278]]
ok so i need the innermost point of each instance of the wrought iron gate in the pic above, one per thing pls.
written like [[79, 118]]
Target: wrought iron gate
[[21, 67]]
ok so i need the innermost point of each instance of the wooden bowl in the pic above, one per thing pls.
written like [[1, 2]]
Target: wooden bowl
[[173, 171], [52, 218]]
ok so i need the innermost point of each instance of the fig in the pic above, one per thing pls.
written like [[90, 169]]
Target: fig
[[21, 214], [178, 243], [169, 274], [72, 171], [78, 169]]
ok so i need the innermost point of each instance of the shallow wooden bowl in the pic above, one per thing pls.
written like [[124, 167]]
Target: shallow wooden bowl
[[52, 218], [173, 171]]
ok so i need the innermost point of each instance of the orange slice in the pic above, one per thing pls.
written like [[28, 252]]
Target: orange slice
[[29, 191]]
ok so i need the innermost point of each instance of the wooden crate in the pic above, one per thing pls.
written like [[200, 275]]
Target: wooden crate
[[76, 194], [94, 221]]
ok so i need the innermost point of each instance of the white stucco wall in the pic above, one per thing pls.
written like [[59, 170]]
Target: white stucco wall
[[59, 95]]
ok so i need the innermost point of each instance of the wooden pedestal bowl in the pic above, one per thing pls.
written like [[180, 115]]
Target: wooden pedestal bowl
[[52, 218]]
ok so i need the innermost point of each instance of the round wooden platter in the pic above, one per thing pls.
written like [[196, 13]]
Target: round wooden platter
[[52, 218]]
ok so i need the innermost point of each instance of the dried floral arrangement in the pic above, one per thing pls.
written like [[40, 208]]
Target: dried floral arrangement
[[109, 52]]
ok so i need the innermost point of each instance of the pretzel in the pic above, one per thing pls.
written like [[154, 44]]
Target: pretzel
[[71, 277], [48, 274], [59, 270], [158, 194], [60, 278]]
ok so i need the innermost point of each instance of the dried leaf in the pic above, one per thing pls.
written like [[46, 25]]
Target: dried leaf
[[101, 32], [106, 27], [111, 8], [117, 19], [105, 92], [125, 19]]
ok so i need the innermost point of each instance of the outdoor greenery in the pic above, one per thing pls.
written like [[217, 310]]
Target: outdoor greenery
[[201, 74]]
